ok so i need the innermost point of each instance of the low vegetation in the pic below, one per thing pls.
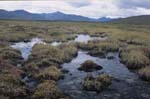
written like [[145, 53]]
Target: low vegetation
[[89, 66], [50, 73], [134, 58], [144, 73], [108, 46], [48, 90], [13, 56], [98, 83], [132, 42], [46, 55], [97, 52], [11, 87]]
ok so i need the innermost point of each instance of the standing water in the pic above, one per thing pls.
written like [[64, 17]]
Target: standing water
[[55, 43], [72, 83], [26, 47], [84, 38]]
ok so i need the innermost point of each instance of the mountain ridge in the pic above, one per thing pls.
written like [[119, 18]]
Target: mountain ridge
[[55, 16]]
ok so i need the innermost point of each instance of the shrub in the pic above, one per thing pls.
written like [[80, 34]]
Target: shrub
[[88, 46], [89, 66], [134, 59], [97, 84], [53, 54], [108, 46], [12, 55], [47, 90], [144, 73], [11, 86], [69, 51], [97, 52], [146, 51], [50, 73], [43, 56]]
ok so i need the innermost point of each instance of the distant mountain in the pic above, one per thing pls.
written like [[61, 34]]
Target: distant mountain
[[66, 17], [19, 14], [105, 19], [143, 19], [24, 15]]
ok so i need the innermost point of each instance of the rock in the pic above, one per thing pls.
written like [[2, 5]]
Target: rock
[[89, 66]]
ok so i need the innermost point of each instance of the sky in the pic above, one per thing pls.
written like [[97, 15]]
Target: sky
[[88, 8]]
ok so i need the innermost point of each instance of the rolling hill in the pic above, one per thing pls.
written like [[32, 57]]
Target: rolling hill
[[143, 19]]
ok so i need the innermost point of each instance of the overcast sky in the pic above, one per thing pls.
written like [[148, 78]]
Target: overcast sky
[[89, 8]]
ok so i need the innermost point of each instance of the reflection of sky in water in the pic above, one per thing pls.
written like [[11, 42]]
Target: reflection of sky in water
[[112, 67], [26, 47], [73, 80], [55, 43], [85, 38]]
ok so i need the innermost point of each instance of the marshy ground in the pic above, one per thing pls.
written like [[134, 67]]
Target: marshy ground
[[41, 60]]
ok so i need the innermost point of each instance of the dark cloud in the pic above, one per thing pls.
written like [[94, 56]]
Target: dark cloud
[[134, 4]]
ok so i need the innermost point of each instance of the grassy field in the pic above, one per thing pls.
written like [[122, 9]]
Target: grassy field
[[132, 42], [24, 30]]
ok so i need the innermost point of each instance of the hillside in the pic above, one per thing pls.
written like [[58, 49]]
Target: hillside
[[55, 16], [143, 19], [59, 16]]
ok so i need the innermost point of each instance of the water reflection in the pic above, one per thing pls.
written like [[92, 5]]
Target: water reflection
[[26, 47]]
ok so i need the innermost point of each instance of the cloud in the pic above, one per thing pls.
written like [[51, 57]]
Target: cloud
[[135, 3], [88, 8], [79, 3]]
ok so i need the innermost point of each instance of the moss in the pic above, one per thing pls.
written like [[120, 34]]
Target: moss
[[134, 59], [89, 66], [50, 73], [11, 86], [98, 83], [47, 90], [144, 73]]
